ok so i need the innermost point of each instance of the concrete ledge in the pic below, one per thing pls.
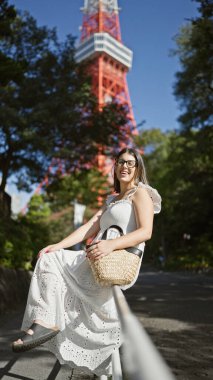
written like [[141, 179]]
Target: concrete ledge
[[14, 286]]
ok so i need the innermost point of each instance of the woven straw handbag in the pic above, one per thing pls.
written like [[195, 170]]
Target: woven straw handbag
[[118, 267]]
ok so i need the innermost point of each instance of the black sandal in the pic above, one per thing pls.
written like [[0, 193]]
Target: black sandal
[[40, 335]]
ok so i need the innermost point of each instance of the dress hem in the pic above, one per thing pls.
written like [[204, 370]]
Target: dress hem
[[72, 365]]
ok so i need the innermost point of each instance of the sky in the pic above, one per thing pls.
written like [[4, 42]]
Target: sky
[[148, 28]]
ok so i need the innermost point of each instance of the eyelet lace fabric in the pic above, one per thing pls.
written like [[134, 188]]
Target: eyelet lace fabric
[[63, 293]]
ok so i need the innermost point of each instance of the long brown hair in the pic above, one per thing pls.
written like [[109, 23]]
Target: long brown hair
[[140, 173]]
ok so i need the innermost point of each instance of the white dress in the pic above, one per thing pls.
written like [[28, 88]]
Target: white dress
[[63, 292]]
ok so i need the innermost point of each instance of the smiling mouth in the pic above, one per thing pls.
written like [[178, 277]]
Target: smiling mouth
[[124, 172]]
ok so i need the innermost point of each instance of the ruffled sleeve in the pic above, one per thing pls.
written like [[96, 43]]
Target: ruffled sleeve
[[109, 198], [154, 195]]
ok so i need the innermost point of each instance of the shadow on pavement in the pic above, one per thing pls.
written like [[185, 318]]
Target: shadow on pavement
[[176, 310], [30, 365]]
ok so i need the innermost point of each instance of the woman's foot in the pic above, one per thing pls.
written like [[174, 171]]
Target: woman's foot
[[36, 335]]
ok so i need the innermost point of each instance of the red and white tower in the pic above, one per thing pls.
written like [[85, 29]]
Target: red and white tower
[[107, 58], [108, 62]]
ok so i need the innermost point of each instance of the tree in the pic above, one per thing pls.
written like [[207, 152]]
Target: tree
[[9, 69], [83, 186], [38, 209], [192, 156], [49, 112], [7, 16], [183, 229], [194, 83], [155, 145], [50, 215], [21, 239]]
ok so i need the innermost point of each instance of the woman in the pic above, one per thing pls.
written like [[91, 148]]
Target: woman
[[66, 308]]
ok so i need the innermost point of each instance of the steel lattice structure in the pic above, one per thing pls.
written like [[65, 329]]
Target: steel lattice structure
[[108, 60]]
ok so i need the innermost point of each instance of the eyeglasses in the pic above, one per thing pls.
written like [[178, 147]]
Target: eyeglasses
[[129, 163]]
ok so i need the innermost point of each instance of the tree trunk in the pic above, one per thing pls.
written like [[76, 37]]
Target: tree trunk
[[5, 199], [5, 204]]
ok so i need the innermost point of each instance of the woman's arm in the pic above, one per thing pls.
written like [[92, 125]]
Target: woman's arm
[[82, 233], [144, 212]]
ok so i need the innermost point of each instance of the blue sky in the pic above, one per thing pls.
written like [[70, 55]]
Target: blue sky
[[148, 28]]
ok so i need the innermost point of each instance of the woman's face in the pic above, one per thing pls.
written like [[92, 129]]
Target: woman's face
[[126, 171]]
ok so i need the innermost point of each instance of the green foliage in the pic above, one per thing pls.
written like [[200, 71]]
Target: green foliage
[[43, 116], [38, 210], [49, 218], [83, 186], [9, 69], [155, 144], [60, 224], [15, 245], [191, 157], [7, 17], [180, 167], [180, 163], [48, 112], [36, 223], [21, 239], [193, 87]]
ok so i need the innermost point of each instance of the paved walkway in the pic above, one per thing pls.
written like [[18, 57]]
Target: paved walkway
[[177, 311], [174, 308], [37, 364]]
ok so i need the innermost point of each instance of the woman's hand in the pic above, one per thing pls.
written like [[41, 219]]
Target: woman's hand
[[48, 249], [100, 249]]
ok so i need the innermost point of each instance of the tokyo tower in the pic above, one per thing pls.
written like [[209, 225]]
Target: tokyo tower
[[107, 59]]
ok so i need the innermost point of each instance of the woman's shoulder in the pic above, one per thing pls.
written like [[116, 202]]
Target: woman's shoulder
[[141, 193], [141, 196], [146, 192]]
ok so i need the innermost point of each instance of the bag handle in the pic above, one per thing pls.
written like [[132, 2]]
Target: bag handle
[[104, 236], [134, 250]]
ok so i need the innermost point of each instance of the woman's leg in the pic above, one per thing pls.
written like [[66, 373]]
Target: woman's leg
[[43, 300], [39, 322], [38, 335], [31, 332]]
